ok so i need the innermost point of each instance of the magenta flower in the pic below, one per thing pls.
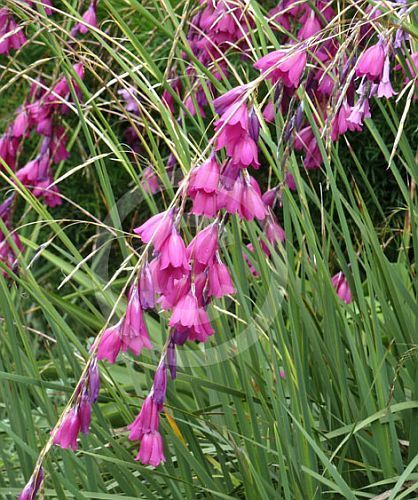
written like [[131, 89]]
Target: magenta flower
[[274, 231], [342, 288], [204, 204], [30, 491], [185, 312], [219, 279], [148, 420], [133, 331], [341, 123], [8, 149], [222, 103], [283, 65], [149, 181], [371, 62], [11, 35], [151, 449], [310, 26], [305, 140], [204, 245], [173, 256], [21, 124], [235, 133], [130, 96], [67, 433], [202, 330], [90, 20], [157, 229], [252, 205], [205, 178], [110, 344]]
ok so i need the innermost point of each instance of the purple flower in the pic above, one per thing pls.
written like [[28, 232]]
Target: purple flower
[[84, 413], [31, 489], [159, 387]]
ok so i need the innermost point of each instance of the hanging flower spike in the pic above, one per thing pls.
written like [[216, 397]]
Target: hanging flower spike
[[30, 491], [342, 288]]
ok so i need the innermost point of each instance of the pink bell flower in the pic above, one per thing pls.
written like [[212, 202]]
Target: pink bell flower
[[385, 87], [110, 344], [220, 283], [151, 449], [157, 229], [204, 204], [84, 413], [310, 26], [205, 178], [342, 288], [283, 65], [90, 20], [133, 331], [371, 62], [173, 256], [204, 245], [148, 420], [67, 433], [274, 231], [185, 312], [252, 206], [223, 102]]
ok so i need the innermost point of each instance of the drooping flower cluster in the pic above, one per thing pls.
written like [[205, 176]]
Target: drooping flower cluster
[[40, 115], [218, 27], [181, 279]]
